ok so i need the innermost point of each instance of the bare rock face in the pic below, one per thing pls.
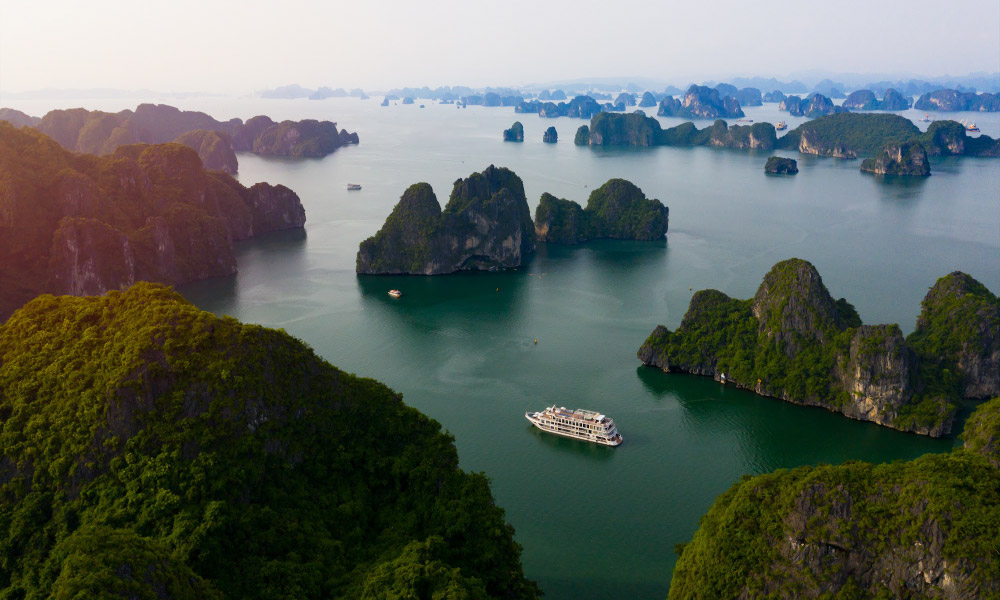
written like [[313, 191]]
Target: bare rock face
[[876, 377], [792, 305], [485, 226], [90, 257], [906, 159], [794, 342], [704, 102], [274, 207], [215, 149], [811, 142], [243, 138], [146, 212]]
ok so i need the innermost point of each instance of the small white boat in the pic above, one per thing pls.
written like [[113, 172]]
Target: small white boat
[[395, 293], [781, 126], [353, 186]]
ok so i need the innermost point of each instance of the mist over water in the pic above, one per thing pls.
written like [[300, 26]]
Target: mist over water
[[597, 521]]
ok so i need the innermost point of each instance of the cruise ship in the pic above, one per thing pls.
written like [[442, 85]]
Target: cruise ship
[[580, 424]]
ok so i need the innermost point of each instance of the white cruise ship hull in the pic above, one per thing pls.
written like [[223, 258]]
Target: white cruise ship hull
[[555, 428]]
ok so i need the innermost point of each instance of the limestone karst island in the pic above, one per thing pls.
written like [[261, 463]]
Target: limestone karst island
[[402, 301]]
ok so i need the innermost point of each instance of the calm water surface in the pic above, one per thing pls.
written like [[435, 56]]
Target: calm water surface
[[597, 521]]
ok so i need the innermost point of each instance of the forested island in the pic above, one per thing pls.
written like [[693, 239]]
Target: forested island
[[842, 135], [98, 132], [926, 528], [954, 100], [82, 224], [487, 225], [701, 102], [153, 450], [616, 210], [793, 341]]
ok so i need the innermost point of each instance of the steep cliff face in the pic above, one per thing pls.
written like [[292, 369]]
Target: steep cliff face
[[876, 374], [781, 165], [861, 100], [616, 210], [706, 103], [633, 129], [215, 149], [958, 332], [90, 257], [308, 138], [582, 137], [905, 159], [774, 96], [551, 136], [816, 105], [486, 225], [893, 100], [920, 529], [953, 100], [669, 107], [102, 133], [795, 342], [515, 133], [811, 142], [794, 308], [18, 118], [244, 137], [81, 224], [759, 136]]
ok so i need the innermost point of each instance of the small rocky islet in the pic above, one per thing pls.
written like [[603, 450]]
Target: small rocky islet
[[779, 165]]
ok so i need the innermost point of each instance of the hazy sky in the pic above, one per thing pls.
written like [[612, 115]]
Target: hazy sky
[[246, 45]]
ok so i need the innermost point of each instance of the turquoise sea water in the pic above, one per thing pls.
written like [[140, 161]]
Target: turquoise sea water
[[596, 521]]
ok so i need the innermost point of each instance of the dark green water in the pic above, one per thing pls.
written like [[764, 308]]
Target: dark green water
[[596, 521]]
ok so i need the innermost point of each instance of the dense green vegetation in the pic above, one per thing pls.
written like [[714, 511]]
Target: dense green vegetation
[[907, 159], [794, 342], [486, 225], [779, 164], [860, 133], [926, 528], [956, 338], [982, 431], [515, 133], [618, 210], [68, 221], [150, 450], [865, 134]]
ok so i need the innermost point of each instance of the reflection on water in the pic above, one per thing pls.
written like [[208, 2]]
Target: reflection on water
[[898, 187], [578, 448]]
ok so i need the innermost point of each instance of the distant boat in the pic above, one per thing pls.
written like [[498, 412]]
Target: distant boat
[[744, 120], [353, 186], [395, 293], [926, 119], [781, 126], [971, 127]]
